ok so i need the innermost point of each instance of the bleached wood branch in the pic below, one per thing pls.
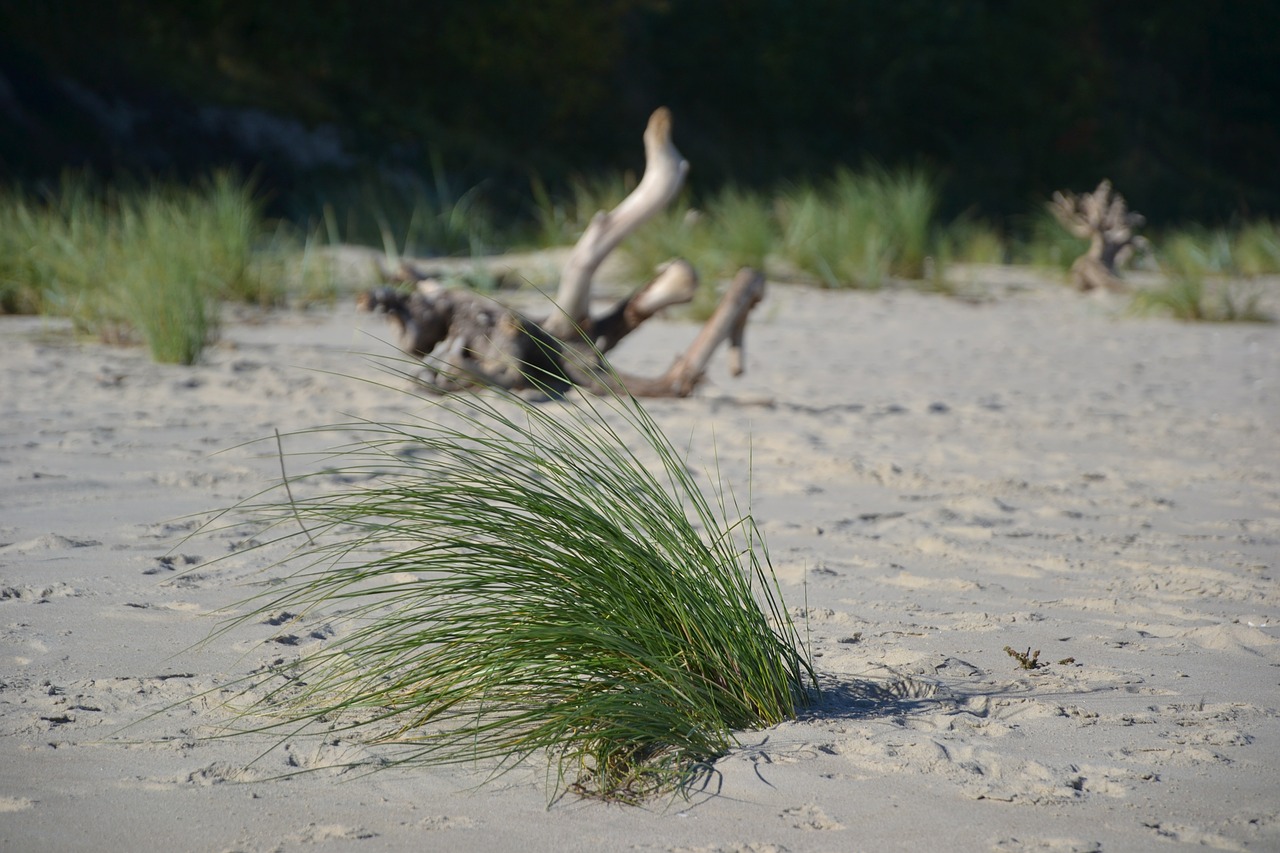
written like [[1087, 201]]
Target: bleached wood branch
[[664, 173]]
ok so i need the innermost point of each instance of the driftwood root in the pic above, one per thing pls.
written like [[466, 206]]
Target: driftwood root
[[1103, 218]]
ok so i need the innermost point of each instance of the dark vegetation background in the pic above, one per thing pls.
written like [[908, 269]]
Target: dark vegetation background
[[1178, 101]]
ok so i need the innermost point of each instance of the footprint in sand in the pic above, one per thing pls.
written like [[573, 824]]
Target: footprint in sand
[[50, 542], [749, 847], [38, 594], [15, 804], [809, 817], [1046, 845], [436, 823], [315, 833]]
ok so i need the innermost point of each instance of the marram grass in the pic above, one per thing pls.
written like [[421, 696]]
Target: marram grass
[[513, 580]]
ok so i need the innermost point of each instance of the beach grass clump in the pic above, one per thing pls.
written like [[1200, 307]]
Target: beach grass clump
[[1256, 248], [1201, 281], [180, 253], [150, 263], [743, 229], [440, 224], [837, 245], [21, 279], [56, 247], [860, 228], [908, 201], [969, 240], [510, 579]]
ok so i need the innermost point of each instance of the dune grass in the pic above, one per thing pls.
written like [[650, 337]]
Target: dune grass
[[510, 580], [743, 229], [1205, 279], [855, 229], [150, 263], [968, 240], [861, 227], [1256, 248]]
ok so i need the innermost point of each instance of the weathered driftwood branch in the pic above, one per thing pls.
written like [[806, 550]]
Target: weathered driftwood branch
[[1102, 218], [728, 323], [467, 340], [664, 174], [676, 283]]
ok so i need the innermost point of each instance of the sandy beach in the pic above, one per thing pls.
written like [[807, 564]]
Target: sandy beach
[[938, 479]]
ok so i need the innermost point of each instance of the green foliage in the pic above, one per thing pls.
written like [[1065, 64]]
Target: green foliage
[[295, 265], [123, 264], [861, 228], [742, 229], [973, 241], [907, 201], [1047, 244], [1250, 250], [162, 284], [1202, 270], [509, 579], [20, 259], [1256, 249], [736, 229], [856, 230]]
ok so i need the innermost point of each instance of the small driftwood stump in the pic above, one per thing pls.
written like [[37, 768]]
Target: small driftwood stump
[[1102, 218], [466, 340]]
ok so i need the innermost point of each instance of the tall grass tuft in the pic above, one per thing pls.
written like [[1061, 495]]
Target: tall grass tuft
[[836, 242], [861, 228], [743, 230], [512, 579], [908, 201], [968, 240], [1257, 248], [149, 263], [1199, 267]]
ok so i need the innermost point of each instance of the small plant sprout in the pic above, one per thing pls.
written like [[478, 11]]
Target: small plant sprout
[[508, 579]]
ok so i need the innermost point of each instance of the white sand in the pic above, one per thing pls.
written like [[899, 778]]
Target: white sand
[[938, 479]]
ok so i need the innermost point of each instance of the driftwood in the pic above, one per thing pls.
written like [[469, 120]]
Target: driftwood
[[466, 340], [1102, 218]]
